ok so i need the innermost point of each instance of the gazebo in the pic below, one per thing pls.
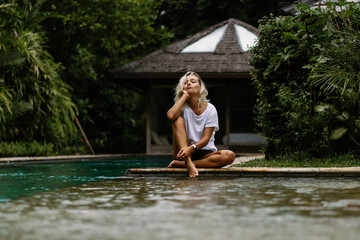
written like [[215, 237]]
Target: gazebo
[[220, 55]]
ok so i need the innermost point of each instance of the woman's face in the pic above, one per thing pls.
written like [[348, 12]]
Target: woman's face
[[192, 85]]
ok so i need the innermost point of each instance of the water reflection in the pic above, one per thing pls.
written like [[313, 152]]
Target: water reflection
[[185, 208]]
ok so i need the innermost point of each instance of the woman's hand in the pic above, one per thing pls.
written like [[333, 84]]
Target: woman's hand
[[185, 152], [175, 111], [186, 94]]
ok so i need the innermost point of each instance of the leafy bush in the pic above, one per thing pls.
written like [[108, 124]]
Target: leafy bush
[[32, 93], [305, 160], [92, 37], [57, 53], [19, 149], [16, 149], [288, 65]]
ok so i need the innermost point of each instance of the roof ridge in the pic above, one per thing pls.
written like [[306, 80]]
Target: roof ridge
[[229, 38], [181, 44]]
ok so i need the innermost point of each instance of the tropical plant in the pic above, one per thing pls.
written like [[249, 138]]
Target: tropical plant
[[92, 37], [17, 149], [338, 76], [33, 96], [292, 62]]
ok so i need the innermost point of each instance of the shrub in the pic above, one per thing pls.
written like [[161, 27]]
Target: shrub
[[286, 62], [17, 149]]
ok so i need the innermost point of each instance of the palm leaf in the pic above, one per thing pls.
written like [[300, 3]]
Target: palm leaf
[[34, 14], [6, 5], [5, 103], [21, 107], [11, 58], [331, 78]]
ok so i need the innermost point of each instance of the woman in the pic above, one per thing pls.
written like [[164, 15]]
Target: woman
[[195, 122]]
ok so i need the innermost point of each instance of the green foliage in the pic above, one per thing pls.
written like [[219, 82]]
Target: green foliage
[[32, 94], [34, 148], [305, 160], [51, 48], [17, 149], [87, 38], [291, 72], [338, 76], [92, 37], [186, 17]]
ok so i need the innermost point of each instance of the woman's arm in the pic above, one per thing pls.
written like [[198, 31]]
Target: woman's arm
[[175, 111], [204, 140], [187, 151]]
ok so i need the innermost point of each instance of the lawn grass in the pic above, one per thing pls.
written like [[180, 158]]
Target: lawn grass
[[299, 160]]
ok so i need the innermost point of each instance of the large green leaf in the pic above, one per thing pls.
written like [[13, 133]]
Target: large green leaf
[[322, 107], [343, 117], [357, 123], [338, 133]]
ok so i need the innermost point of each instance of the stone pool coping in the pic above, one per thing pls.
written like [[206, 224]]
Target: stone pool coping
[[247, 172], [65, 158]]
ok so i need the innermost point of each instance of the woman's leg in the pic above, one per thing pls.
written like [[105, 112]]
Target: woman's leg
[[179, 135], [180, 141], [216, 160], [213, 160]]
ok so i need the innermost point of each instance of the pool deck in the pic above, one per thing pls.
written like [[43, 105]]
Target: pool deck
[[231, 171]]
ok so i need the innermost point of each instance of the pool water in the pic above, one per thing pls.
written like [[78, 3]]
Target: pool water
[[22, 180], [184, 208]]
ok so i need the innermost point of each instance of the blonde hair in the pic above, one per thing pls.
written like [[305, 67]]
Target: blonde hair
[[180, 87]]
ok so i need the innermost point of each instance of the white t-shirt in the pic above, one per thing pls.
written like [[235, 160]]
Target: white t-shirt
[[195, 125]]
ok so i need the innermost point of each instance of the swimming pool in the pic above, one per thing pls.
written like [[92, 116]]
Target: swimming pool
[[17, 180], [181, 208]]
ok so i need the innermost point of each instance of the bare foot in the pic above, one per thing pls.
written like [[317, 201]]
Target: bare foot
[[177, 164], [193, 172]]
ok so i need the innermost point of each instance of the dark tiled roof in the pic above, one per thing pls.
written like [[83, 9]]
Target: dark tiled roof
[[227, 58]]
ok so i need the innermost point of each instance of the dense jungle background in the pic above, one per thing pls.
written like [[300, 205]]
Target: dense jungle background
[[54, 58]]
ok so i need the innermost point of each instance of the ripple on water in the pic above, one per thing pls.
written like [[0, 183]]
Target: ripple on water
[[185, 208]]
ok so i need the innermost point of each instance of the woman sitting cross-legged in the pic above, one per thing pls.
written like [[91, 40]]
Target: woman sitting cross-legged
[[194, 123]]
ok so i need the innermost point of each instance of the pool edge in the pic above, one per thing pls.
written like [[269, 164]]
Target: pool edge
[[70, 158], [247, 172]]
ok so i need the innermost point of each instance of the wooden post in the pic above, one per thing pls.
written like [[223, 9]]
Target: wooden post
[[227, 110], [148, 120], [83, 134]]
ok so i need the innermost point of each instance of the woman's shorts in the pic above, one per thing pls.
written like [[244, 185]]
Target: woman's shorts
[[200, 154]]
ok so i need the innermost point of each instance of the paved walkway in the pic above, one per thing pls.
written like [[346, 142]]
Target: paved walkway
[[245, 158]]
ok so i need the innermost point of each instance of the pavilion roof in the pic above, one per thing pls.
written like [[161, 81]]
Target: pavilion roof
[[220, 49]]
